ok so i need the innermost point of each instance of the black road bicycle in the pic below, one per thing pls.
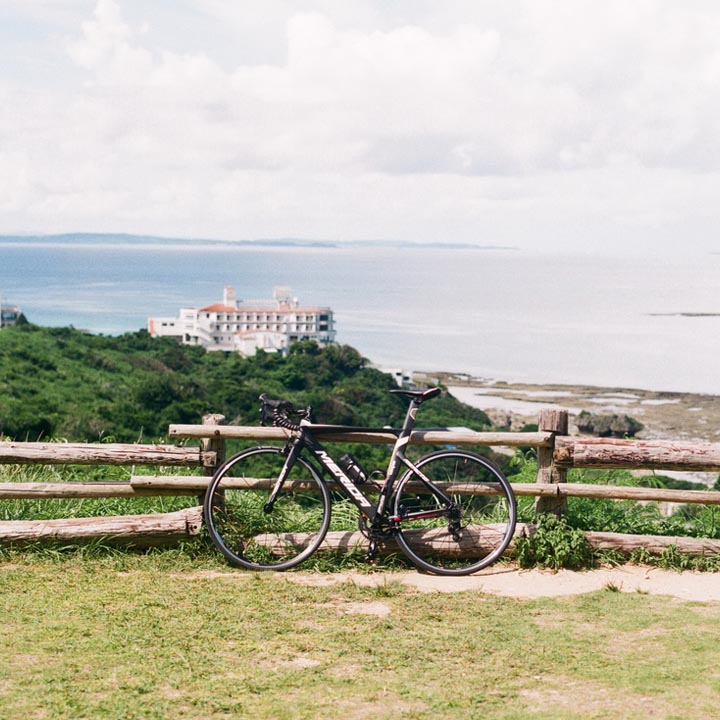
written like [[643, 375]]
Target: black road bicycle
[[269, 508]]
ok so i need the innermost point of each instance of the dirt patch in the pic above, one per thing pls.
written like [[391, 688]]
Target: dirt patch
[[342, 607], [506, 581], [378, 609], [512, 582], [301, 663], [587, 698], [388, 706]]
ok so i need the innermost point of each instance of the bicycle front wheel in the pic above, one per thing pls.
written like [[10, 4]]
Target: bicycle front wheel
[[461, 536], [254, 534]]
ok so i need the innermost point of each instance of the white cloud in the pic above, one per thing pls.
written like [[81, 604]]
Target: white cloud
[[548, 123]]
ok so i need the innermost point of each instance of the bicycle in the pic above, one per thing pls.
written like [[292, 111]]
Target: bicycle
[[452, 512]]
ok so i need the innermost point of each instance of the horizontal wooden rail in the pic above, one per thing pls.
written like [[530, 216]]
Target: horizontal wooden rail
[[103, 454], [656, 544], [636, 454], [93, 489], [638, 494], [339, 541], [474, 537], [180, 485], [192, 485], [134, 530], [431, 437]]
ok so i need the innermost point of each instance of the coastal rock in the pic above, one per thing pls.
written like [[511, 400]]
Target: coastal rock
[[608, 425]]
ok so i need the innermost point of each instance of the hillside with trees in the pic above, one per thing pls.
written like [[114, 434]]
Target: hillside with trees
[[63, 383]]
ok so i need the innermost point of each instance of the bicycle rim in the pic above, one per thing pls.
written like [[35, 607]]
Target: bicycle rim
[[467, 538], [251, 534]]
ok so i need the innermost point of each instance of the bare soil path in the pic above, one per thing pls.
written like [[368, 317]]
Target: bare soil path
[[512, 582]]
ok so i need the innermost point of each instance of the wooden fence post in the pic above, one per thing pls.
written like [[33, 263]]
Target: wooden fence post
[[213, 444], [556, 422]]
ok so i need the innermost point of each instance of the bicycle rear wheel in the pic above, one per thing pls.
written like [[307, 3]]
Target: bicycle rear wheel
[[250, 533], [466, 535]]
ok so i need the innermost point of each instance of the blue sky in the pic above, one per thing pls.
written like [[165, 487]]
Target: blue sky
[[541, 124]]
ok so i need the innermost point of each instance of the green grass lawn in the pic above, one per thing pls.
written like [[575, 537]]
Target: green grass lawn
[[168, 636]]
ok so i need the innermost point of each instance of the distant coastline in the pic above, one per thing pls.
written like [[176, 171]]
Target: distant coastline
[[665, 415], [95, 239], [686, 314]]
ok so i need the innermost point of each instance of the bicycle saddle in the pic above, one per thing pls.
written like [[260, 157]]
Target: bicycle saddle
[[419, 396]]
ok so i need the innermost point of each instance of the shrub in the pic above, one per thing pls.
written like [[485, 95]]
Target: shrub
[[554, 545]]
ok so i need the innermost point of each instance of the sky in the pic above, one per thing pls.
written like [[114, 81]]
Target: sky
[[537, 124]]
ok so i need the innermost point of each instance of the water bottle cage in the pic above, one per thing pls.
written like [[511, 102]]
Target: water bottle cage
[[352, 469]]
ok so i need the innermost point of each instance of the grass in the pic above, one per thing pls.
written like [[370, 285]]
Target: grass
[[170, 635]]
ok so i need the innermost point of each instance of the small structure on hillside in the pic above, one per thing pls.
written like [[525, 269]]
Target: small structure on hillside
[[246, 326], [9, 315]]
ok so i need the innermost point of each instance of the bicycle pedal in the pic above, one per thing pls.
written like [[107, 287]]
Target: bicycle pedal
[[371, 553]]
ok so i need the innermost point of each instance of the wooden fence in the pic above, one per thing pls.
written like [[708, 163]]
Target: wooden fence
[[557, 452]]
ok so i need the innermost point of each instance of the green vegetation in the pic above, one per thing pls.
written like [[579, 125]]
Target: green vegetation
[[554, 545], [559, 542], [62, 383], [103, 639]]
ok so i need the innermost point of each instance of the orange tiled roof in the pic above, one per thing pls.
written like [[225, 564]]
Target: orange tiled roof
[[218, 307], [221, 307]]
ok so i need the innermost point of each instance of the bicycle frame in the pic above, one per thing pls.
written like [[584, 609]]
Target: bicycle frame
[[374, 512]]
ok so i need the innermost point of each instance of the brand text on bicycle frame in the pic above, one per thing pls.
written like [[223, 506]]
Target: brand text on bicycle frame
[[344, 480]]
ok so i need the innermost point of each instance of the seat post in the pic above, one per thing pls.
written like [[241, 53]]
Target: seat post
[[417, 397], [410, 415]]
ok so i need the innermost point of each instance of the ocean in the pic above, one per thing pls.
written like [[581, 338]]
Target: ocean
[[632, 322]]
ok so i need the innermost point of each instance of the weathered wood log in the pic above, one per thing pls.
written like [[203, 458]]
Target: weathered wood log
[[640, 494], [476, 541], [548, 472], [637, 454], [166, 486], [180, 485], [624, 543], [102, 454], [129, 530], [191, 484], [655, 544], [37, 490], [213, 444], [339, 542], [186, 484], [432, 437]]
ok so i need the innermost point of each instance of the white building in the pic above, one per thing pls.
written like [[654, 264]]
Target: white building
[[245, 326], [9, 315]]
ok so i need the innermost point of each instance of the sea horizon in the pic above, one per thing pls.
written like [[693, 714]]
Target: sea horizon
[[493, 312]]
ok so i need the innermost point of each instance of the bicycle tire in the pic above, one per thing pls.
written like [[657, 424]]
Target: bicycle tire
[[248, 535], [485, 517]]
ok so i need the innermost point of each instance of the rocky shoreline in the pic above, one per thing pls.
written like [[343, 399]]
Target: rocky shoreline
[[664, 415]]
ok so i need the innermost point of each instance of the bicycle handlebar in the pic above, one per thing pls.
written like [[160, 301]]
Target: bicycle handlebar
[[276, 412]]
